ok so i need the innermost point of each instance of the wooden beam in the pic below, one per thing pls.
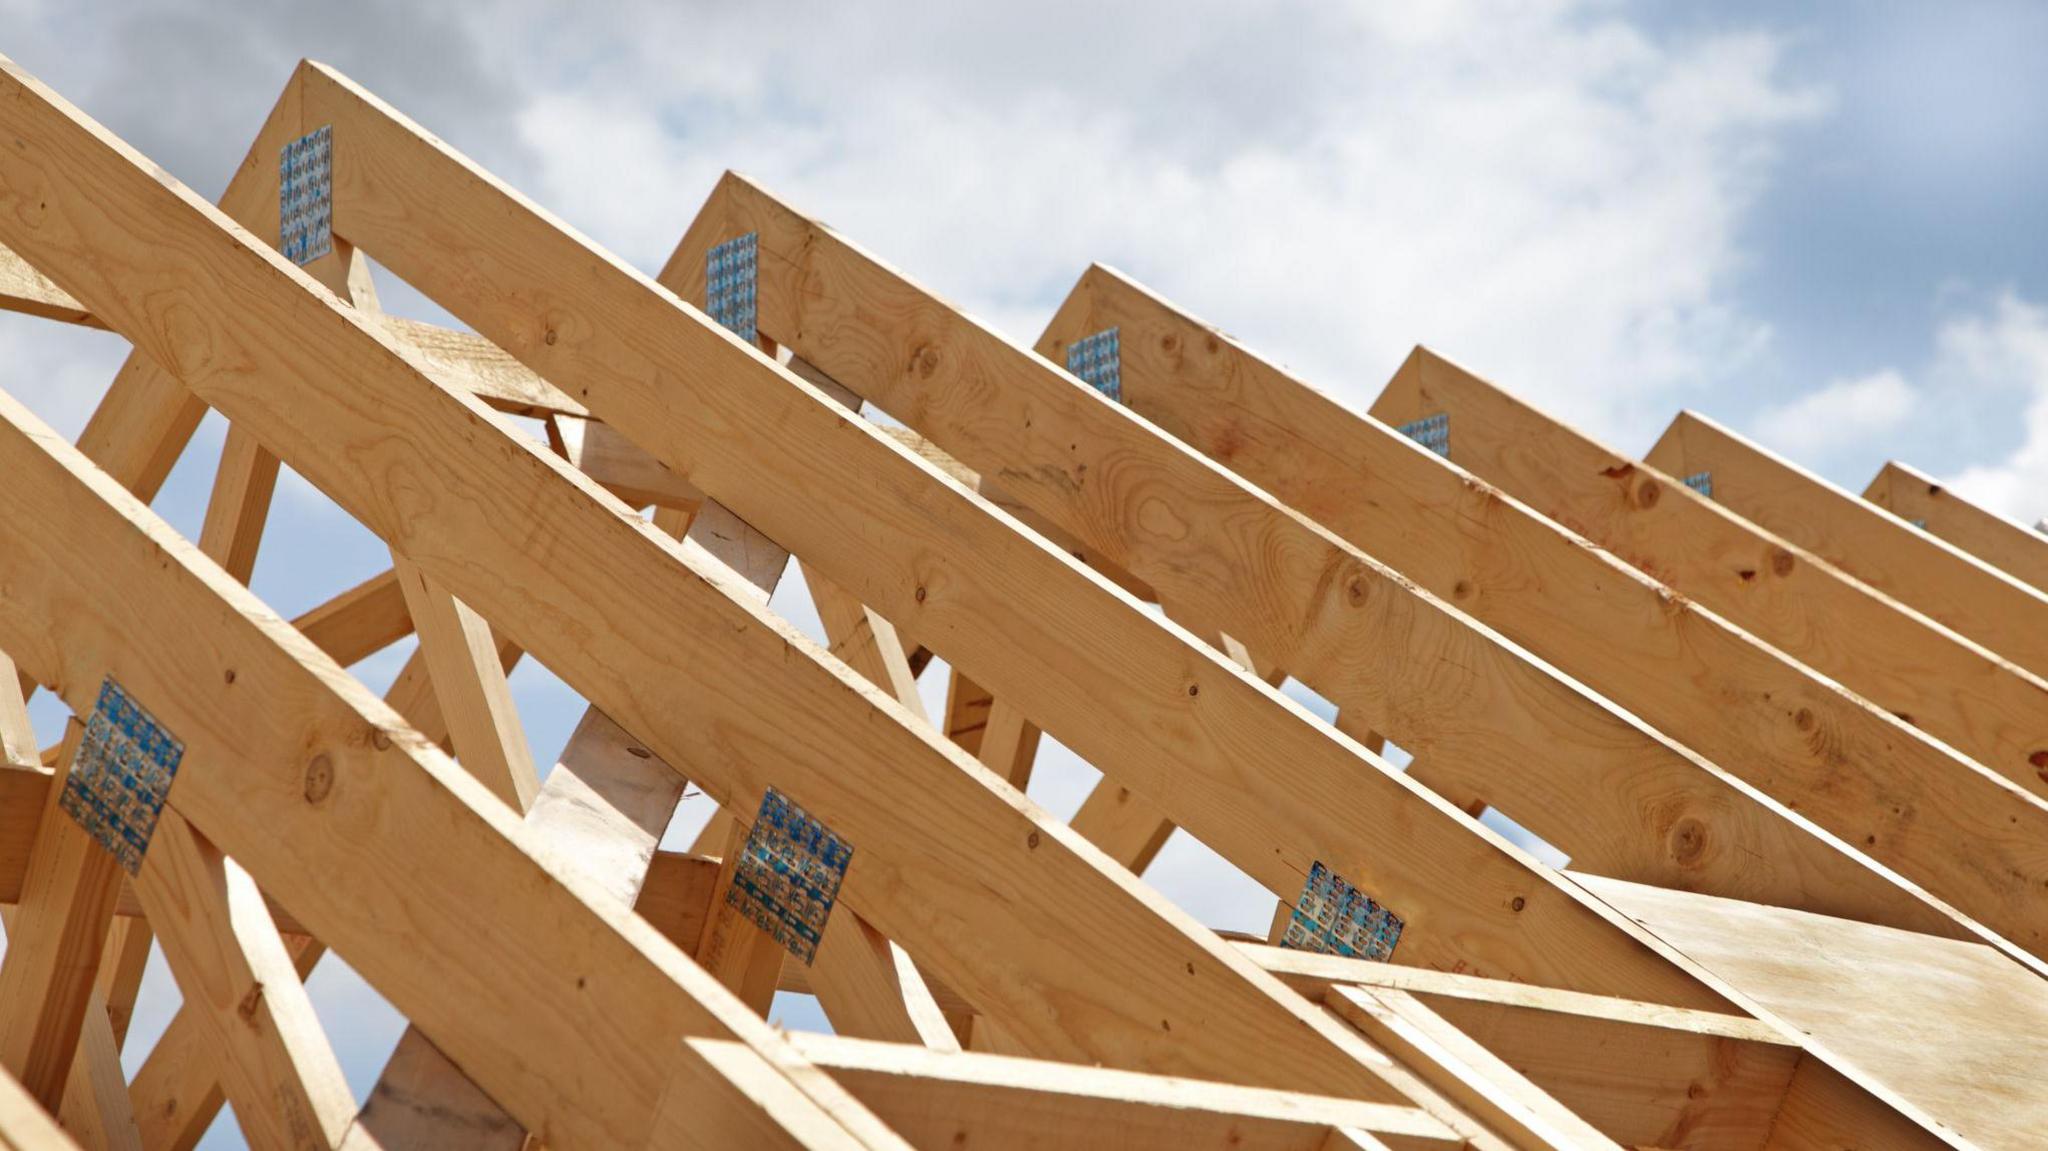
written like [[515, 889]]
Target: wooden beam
[[420, 210], [735, 950], [94, 1105], [242, 487], [1115, 657], [599, 451], [1225, 554], [470, 688], [991, 1101], [1939, 1030], [1452, 1062], [1919, 499], [488, 373], [96, 1110], [234, 971], [1976, 701], [24, 1126], [1889, 792], [306, 777], [1947, 583], [1023, 896], [400, 804], [604, 808], [360, 621], [1613, 629], [54, 938]]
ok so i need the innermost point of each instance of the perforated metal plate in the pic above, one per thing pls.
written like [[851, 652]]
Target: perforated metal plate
[[731, 278], [788, 878], [121, 775], [1701, 482], [1432, 432], [1097, 361], [1334, 918], [305, 196]]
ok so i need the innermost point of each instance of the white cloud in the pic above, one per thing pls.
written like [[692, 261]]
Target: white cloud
[[2005, 347], [1544, 192], [1844, 414]]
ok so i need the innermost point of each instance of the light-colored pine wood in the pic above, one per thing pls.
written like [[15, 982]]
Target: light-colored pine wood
[[24, 1126], [1615, 630], [1241, 564], [1967, 594], [233, 969], [360, 621], [469, 687], [416, 234], [1882, 788], [384, 808], [542, 959], [96, 1110], [1481, 1082], [1099, 681], [1903, 661], [950, 1100], [54, 942], [1919, 499], [1944, 1031], [733, 948]]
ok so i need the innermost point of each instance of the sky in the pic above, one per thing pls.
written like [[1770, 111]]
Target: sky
[[1816, 223]]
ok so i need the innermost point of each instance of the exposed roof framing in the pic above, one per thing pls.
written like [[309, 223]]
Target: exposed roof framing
[[1794, 746]]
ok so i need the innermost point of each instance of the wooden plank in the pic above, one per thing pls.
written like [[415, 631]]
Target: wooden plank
[[866, 984], [421, 211], [603, 810], [95, 1110], [1225, 555], [1680, 668], [25, 290], [24, 1126], [735, 950], [231, 967], [1896, 795], [1127, 827], [242, 487], [1824, 1111], [1645, 1074], [991, 1101], [490, 374], [599, 451], [470, 688], [360, 621], [1974, 700], [1022, 894], [1921, 500], [309, 777], [54, 941], [1946, 1032], [1452, 1062], [1947, 583]]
